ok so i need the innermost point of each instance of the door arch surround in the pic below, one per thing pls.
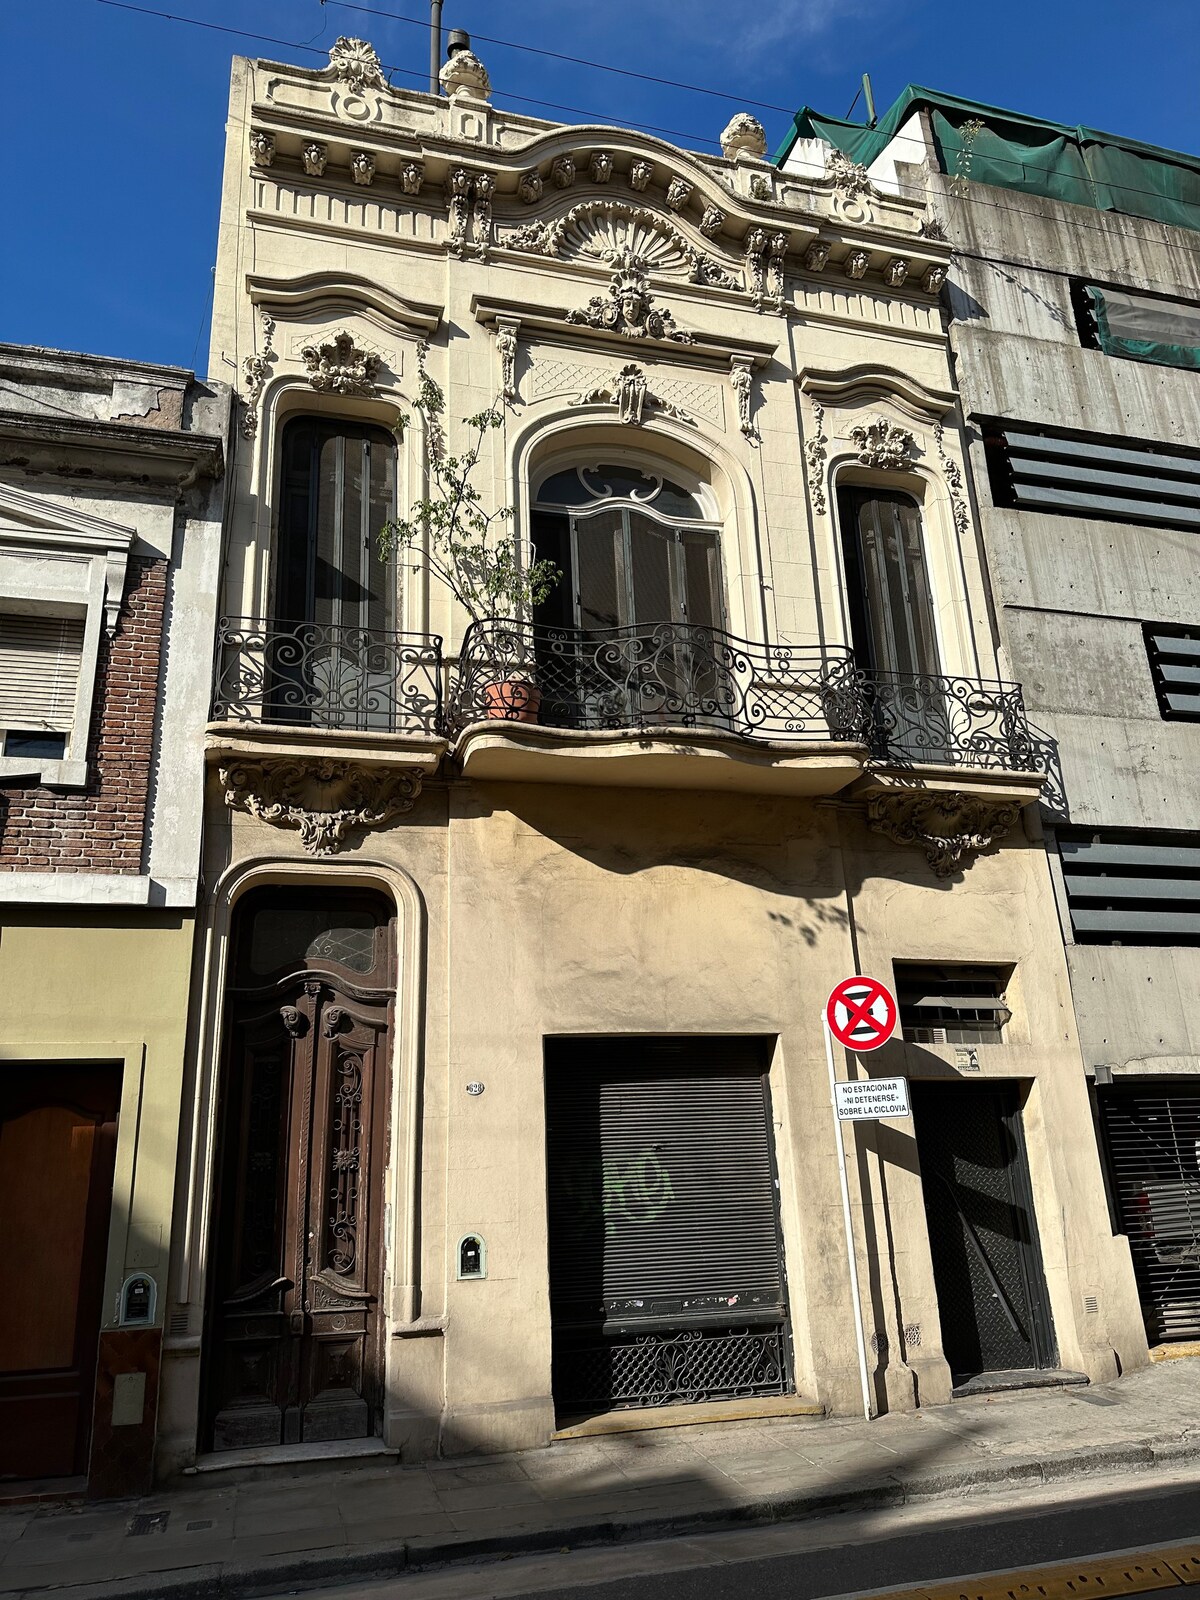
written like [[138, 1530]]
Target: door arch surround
[[401, 1178]]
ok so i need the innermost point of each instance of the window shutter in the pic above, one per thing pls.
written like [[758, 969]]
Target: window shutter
[[39, 671]]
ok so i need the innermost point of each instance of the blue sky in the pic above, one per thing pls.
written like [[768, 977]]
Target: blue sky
[[113, 126]]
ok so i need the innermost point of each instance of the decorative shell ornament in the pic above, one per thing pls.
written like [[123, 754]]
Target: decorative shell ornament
[[744, 135], [355, 62], [465, 74]]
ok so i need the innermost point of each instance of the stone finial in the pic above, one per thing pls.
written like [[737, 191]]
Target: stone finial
[[465, 74], [354, 61], [744, 135]]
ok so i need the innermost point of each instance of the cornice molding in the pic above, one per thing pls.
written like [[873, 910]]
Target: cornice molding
[[155, 457], [330, 294], [551, 324], [854, 386]]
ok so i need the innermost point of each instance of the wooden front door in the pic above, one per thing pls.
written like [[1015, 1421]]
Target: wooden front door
[[295, 1329], [58, 1138]]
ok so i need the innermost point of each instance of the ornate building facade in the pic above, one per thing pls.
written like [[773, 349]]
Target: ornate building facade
[[508, 1100]]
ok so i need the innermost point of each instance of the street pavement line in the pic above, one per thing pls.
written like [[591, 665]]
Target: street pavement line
[[1166, 1567]]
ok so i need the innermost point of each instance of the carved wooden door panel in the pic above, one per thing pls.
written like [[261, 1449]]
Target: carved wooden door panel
[[295, 1337]]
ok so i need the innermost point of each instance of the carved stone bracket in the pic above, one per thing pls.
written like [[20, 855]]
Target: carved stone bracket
[[315, 158], [632, 396], [954, 483], [340, 367], [952, 828], [256, 369], [742, 379], [765, 254], [262, 148], [815, 447], [461, 187], [321, 798], [507, 329], [882, 444]]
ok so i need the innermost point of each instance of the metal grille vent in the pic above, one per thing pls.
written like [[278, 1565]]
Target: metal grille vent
[[1132, 888], [1174, 654], [1153, 1140], [952, 1004]]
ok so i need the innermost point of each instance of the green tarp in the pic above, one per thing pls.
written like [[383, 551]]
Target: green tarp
[[1144, 328], [1079, 165]]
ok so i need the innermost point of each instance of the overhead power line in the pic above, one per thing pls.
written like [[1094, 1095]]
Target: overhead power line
[[603, 117], [578, 61]]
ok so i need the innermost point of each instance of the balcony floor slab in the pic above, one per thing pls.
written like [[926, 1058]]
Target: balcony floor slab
[[662, 758], [224, 741]]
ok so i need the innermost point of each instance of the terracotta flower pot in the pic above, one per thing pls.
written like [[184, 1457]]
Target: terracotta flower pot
[[513, 701]]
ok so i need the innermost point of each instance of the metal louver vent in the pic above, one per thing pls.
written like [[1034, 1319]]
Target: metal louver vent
[[1153, 1139], [1132, 888], [1039, 469], [1174, 654]]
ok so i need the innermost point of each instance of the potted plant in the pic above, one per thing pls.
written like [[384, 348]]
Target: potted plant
[[457, 537]]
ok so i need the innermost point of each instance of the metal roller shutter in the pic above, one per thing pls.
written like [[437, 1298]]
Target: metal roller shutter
[[666, 1262], [1153, 1140]]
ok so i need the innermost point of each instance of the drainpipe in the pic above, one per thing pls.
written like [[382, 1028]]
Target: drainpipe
[[435, 45]]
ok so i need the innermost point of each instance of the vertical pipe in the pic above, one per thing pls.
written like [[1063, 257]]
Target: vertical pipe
[[435, 45], [866, 83], [851, 1254]]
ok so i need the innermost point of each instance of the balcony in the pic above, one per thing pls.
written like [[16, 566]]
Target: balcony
[[676, 706], [352, 693], [657, 705]]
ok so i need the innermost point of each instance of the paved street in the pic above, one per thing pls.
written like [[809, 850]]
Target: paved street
[[858, 1554], [215, 1535]]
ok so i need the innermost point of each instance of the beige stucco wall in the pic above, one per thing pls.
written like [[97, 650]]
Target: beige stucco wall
[[110, 986]]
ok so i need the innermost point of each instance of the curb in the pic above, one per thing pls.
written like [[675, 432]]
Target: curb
[[364, 1563]]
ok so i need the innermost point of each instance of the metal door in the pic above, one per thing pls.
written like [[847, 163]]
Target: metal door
[[666, 1261], [295, 1334], [1153, 1140], [982, 1234]]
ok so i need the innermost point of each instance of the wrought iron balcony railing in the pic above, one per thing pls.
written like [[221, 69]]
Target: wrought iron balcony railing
[[657, 675], [667, 674], [320, 675], [929, 719]]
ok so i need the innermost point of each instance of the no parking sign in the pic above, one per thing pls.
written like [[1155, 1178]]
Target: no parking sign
[[861, 1013]]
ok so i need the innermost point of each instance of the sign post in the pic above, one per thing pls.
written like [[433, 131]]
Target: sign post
[[861, 1014]]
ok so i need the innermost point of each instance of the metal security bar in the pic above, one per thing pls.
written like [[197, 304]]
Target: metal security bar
[[324, 676], [663, 674], [930, 719], [679, 1368]]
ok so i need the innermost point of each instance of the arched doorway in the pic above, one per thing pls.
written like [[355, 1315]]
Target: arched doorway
[[294, 1328]]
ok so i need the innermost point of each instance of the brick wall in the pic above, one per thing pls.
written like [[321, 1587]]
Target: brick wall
[[101, 828]]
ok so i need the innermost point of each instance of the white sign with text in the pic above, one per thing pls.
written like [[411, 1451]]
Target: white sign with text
[[872, 1097]]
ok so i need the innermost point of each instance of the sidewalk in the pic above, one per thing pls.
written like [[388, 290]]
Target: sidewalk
[[219, 1539]]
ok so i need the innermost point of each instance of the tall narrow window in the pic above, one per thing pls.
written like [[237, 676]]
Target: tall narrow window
[[891, 606], [338, 489], [332, 657]]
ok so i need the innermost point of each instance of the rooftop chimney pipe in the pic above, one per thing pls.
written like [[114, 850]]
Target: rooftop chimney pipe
[[435, 45], [457, 41]]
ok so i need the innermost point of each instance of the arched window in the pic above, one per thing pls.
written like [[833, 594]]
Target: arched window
[[890, 600], [634, 548], [338, 488]]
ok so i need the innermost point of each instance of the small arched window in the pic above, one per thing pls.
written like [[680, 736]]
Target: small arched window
[[338, 488], [635, 548]]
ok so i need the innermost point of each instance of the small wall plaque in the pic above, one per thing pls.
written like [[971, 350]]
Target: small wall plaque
[[472, 1256]]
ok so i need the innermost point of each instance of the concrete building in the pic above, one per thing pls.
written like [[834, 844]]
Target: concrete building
[[110, 542], [508, 1100], [1074, 316]]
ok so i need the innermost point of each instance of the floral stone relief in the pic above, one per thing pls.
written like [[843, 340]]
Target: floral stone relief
[[324, 800], [952, 828]]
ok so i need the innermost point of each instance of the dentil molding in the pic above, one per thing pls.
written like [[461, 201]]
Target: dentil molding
[[323, 799]]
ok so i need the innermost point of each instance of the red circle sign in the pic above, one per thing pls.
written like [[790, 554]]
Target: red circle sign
[[861, 1013]]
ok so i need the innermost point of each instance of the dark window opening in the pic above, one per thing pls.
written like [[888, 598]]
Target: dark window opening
[[44, 746], [1136, 325], [952, 1004], [1128, 886], [1174, 655]]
